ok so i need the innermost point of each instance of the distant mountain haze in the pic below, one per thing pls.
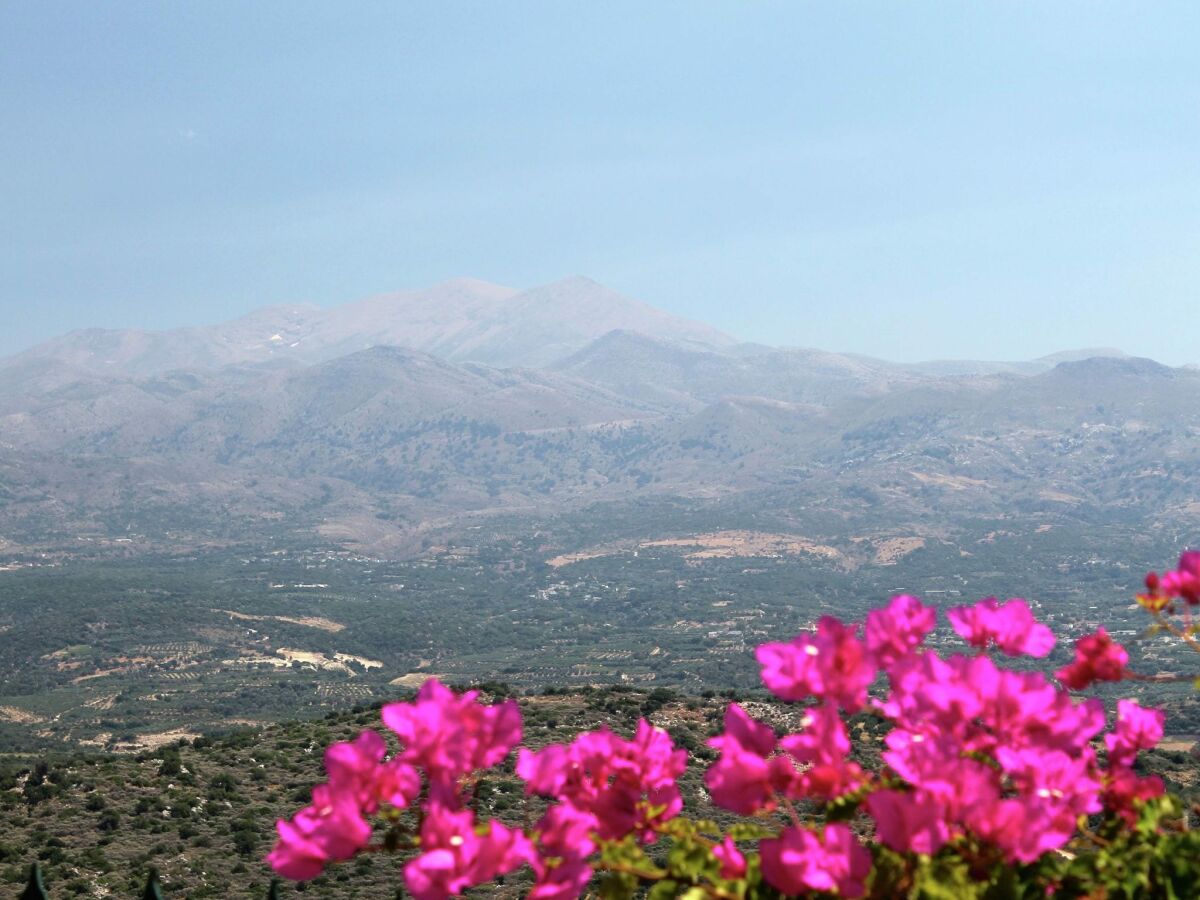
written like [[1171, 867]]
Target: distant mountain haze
[[462, 320], [371, 423]]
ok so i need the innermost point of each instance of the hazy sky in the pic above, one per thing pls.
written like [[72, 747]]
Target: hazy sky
[[909, 180]]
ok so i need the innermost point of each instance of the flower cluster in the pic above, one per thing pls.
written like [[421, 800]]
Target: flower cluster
[[973, 749], [1097, 658], [333, 827], [446, 737], [1182, 582], [605, 788], [1004, 759]]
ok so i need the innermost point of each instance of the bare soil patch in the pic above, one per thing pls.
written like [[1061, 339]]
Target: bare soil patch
[[307, 621], [713, 545]]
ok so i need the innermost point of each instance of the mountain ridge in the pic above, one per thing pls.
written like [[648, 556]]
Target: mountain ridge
[[463, 319], [373, 423]]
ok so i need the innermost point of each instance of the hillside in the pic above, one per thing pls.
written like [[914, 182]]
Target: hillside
[[637, 509], [202, 811], [391, 440], [465, 320]]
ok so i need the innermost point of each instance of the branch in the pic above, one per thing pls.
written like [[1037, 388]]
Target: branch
[[1176, 630]]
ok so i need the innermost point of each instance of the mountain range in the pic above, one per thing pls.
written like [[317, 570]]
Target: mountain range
[[373, 423], [463, 320]]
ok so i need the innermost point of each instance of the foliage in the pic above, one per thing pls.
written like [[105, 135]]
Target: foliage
[[992, 784]]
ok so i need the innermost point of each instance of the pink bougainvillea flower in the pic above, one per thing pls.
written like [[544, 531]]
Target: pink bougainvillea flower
[[1003, 823], [333, 827], [1054, 780], [748, 733], [741, 780], [952, 714], [397, 783], [551, 770], [823, 737], [1000, 756], [330, 829], [565, 839], [733, 863], [938, 769], [896, 630], [1137, 729], [356, 769], [833, 665], [1010, 626], [824, 747], [1028, 825], [1125, 791], [565, 831], [1184, 580], [909, 823], [450, 735], [565, 880], [1097, 658], [455, 855], [352, 765], [1022, 827], [800, 861], [628, 785], [1023, 709], [930, 695]]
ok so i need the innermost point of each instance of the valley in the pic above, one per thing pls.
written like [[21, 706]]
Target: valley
[[554, 488]]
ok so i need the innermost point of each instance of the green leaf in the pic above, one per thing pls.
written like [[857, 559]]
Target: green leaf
[[889, 871], [691, 858], [1005, 886], [843, 808], [618, 886], [945, 878], [750, 831], [706, 826], [627, 852]]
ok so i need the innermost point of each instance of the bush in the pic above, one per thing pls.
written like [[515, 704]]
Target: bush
[[990, 785]]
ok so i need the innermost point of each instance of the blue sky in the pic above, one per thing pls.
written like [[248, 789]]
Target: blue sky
[[909, 180]]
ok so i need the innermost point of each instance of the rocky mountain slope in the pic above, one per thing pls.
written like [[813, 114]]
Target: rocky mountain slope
[[368, 423]]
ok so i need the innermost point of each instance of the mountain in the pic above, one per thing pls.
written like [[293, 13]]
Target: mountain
[[1018, 367], [464, 320], [370, 448], [372, 423], [261, 336], [664, 371], [318, 524], [548, 323], [374, 390]]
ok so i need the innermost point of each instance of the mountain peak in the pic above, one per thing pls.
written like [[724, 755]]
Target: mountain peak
[[579, 282], [1101, 366], [582, 310], [1082, 354], [464, 284], [461, 319]]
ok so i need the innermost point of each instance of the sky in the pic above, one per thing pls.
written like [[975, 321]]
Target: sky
[[986, 180]]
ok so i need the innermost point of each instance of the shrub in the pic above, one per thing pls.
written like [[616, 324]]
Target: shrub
[[992, 783]]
